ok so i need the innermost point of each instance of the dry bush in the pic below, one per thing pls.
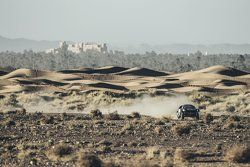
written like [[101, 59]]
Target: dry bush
[[105, 142], [89, 160], [21, 111], [181, 155], [233, 125], [8, 122], [27, 155], [12, 100], [105, 149], [110, 164], [136, 115], [238, 154], [62, 150], [181, 129], [158, 130], [64, 116], [127, 127], [48, 120], [167, 118], [233, 122], [153, 152], [96, 113], [113, 116], [230, 108], [199, 98], [2, 97], [218, 147], [208, 118], [152, 163], [234, 118]]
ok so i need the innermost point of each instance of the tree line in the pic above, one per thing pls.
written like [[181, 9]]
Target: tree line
[[163, 62]]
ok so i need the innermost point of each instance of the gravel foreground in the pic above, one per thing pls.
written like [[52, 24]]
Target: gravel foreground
[[36, 139]]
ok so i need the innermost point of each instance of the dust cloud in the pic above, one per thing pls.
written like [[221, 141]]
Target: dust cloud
[[150, 106], [157, 106]]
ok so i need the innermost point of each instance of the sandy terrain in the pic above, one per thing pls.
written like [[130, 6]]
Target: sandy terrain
[[217, 79], [123, 117]]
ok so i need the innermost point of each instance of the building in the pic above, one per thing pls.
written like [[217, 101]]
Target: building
[[80, 47]]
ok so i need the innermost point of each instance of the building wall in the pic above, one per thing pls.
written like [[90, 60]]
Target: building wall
[[80, 47]]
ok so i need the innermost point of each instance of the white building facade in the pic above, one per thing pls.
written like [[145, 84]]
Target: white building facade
[[80, 47]]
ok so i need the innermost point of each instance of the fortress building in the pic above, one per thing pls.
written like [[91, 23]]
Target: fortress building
[[79, 47]]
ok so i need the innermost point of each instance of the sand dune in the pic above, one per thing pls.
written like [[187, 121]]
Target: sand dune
[[212, 79], [142, 72], [230, 82], [3, 72], [107, 86], [228, 71], [167, 86], [103, 70], [24, 73]]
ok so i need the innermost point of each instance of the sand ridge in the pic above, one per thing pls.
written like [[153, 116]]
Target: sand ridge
[[111, 78]]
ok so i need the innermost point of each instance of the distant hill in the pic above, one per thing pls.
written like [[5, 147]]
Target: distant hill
[[21, 44]]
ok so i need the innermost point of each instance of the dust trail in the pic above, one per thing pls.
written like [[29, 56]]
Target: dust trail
[[157, 106], [151, 106]]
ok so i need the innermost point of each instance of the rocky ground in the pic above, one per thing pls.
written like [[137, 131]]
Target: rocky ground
[[95, 139]]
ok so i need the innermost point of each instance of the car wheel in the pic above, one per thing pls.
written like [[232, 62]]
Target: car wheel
[[197, 116], [181, 116], [178, 116]]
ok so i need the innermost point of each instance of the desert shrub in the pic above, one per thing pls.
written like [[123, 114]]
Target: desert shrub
[[153, 152], [150, 163], [233, 125], [17, 112], [66, 116], [230, 109], [21, 111], [233, 122], [62, 150], [160, 122], [234, 118], [96, 113], [27, 155], [132, 144], [48, 120], [199, 98], [37, 115], [89, 160], [127, 127], [105, 143], [166, 118], [181, 155], [246, 111], [136, 115], [9, 122], [113, 116], [238, 154], [158, 130], [110, 164], [218, 147], [12, 100], [181, 129], [106, 149], [2, 97], [208, 118]]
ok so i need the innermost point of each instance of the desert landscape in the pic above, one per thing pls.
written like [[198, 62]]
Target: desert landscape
[[135, 83], [117, 116]]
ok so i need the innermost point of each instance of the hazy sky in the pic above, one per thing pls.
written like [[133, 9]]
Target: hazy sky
[[128, 21]]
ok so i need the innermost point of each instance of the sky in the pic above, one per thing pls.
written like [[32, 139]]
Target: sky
[[128, 21]]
